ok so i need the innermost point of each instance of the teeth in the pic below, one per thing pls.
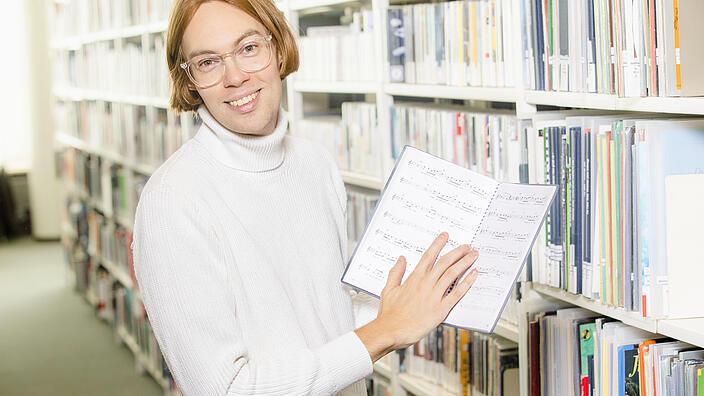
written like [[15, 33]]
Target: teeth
[[245, 100]]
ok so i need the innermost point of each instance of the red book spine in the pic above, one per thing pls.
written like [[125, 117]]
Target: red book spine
[[534, 355]]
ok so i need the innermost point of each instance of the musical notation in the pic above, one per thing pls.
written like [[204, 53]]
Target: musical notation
[[449, 199], [488, 290], [523, 198], [429, 231], [493, 272], [381, 255], [505, 235], [400, 242], [443, 175], [498, 251], [503, 216]]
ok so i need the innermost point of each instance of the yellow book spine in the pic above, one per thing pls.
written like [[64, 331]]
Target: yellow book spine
[[678, 71], [464, 360]]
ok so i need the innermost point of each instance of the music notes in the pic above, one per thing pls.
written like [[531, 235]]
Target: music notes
[[427, 195]]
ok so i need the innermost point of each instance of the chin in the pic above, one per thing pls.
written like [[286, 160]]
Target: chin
[[253, 123]]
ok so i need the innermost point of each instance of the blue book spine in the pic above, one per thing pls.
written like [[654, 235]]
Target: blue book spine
[[577, 165], [540, 48]]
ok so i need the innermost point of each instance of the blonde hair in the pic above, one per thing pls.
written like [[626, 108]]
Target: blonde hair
[[184, 96]]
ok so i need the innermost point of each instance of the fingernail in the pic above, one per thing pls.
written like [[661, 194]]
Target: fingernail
[[467, 248], [444, 235]]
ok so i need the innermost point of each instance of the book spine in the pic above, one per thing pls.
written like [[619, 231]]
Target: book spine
[[396, 45]]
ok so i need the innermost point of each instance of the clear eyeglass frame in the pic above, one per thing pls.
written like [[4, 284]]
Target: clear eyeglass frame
[[186, 66]]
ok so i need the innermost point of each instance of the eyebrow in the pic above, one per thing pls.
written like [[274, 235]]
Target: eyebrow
[[241, 37]]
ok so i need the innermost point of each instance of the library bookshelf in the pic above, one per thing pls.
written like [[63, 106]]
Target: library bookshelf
[[144, 33]]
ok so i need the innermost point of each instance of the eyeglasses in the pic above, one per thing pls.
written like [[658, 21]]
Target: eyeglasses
[[209, 69]]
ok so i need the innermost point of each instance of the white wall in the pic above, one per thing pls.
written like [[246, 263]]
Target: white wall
[[43, 183], [15, 130]]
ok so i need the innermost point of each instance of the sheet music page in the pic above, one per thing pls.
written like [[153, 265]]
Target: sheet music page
[[425, 196], [511, 224]]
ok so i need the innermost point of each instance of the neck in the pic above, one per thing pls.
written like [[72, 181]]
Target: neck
[[252, 153]]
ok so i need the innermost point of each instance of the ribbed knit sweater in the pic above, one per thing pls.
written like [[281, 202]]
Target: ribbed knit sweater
[[239, 247]]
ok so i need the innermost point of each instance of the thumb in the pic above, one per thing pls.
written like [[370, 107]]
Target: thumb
[[396, 273]]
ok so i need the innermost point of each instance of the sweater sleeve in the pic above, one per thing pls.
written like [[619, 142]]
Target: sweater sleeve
[[184, 283]]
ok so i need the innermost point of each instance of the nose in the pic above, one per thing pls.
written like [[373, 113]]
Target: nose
[[233, 75]]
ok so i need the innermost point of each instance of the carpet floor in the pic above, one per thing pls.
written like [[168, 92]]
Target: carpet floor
[[51, 342]]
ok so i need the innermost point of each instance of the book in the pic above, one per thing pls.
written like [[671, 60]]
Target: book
[[684, 232], [586, 352], [426, 195]]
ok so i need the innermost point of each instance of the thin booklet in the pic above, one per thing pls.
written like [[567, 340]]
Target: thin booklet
[[426, 195]]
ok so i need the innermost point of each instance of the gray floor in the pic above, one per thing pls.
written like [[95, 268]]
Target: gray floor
[[51, 342]]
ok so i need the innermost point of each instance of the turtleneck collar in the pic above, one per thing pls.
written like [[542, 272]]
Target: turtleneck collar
[[243, 152]]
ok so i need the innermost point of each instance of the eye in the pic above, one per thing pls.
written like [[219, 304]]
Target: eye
[[207, 64], [249, 49]]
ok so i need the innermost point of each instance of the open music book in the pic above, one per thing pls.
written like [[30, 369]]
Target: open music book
[[426, 195]]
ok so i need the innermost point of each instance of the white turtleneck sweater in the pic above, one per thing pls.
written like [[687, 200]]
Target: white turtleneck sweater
[[239, 247]]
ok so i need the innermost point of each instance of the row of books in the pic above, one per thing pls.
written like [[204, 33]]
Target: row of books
[[148, 135], [92, 180], [459, 43], [84, 172], [333, 53], [574, 351], [623, 47], [484, 141], [378, 386], [96, 243], [352, 138], [464, 362], [131, 318], [605, 233], [360, 206], [74, 17], [99, 237], [133, 66]]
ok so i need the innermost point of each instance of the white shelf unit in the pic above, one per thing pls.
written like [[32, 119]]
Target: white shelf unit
[[77, 94], [421, 387], [382, 92], [450, 92], [72, 49], [688, 330], [630, 318], [526, 102], [356, 179], [673, 105], [362, 87], [107, 35]]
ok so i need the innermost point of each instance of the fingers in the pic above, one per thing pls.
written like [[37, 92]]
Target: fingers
[[396, 274], [460, 290], [449, 259], [426, 262], [455, 271]]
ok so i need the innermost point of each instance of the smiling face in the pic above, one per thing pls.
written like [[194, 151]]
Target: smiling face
[[244, 103]]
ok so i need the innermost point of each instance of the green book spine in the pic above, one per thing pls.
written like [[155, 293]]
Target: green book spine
[[700, 374], [586, 345]]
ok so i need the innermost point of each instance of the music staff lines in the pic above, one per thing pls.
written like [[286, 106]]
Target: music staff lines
[[459, 182], [431, 232]]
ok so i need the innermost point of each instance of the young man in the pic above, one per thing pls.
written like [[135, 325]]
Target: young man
[[240, 236]]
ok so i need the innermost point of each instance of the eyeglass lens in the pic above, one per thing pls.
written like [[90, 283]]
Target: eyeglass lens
[[250, 57]]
